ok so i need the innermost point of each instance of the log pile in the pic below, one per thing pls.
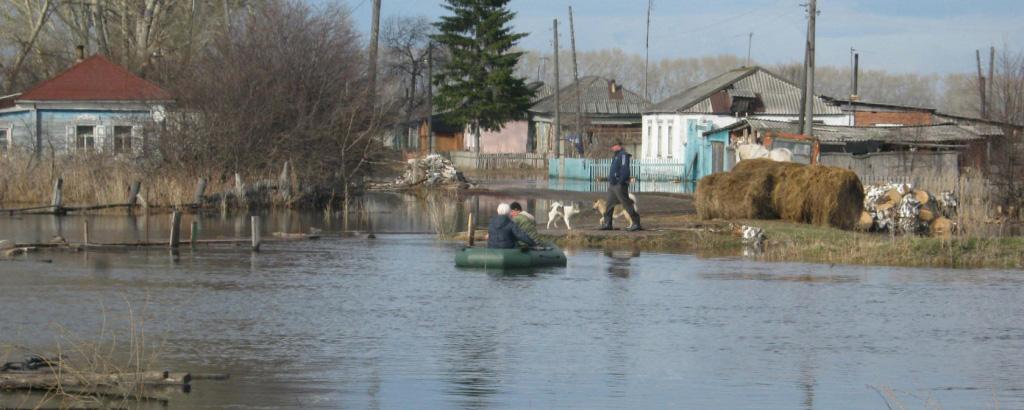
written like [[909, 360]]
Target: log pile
[[901, 209], [433, 171]]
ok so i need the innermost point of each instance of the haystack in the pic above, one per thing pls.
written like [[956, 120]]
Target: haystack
[[767, 189], [735, 195]]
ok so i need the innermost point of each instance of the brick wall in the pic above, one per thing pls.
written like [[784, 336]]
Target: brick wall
[[870, 118]]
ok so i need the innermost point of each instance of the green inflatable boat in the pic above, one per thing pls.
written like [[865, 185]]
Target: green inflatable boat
[[509, 258]]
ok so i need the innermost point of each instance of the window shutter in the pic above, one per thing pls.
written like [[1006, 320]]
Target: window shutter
[[71, 139]]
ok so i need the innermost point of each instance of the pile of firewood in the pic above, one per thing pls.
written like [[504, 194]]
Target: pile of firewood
[[901, 209]]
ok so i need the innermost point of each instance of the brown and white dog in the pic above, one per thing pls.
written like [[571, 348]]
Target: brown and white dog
[[601, 206]]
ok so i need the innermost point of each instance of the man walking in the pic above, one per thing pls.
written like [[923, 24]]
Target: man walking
[[618, 189]]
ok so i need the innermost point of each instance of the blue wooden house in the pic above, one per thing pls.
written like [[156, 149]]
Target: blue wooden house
[[95, 106]]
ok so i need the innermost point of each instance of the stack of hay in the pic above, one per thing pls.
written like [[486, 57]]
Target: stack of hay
[[765, 189], [900, 208]]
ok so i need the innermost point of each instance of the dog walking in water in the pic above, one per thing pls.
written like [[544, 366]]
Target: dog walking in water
[[618, 190], [564, 211]]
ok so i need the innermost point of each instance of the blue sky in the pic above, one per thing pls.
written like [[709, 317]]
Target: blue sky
[[928, 36]]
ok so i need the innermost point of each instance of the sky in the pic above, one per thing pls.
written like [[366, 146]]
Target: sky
[[924, 36]]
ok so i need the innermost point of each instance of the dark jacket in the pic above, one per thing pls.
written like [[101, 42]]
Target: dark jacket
[[502, 233], [619, 172]]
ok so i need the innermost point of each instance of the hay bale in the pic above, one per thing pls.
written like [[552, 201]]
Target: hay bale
[[866, 221], [819, 195], [735, 195], [942, 227], [762, 189]]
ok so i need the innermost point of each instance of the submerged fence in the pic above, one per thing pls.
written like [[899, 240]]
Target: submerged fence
[[653, 170]]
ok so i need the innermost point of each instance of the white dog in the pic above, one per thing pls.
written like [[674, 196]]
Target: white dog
[[565, 211]]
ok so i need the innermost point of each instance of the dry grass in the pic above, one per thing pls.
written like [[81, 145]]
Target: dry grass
[[117, 355], [98, 180]]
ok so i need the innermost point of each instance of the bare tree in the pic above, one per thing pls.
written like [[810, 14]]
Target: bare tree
[[34, 12], [406, 47], [286, 84]]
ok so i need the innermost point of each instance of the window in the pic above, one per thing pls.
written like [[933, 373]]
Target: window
[[85, 137], [801, 150], [659, 139], [5, 141], [671, 147], [122, 139]]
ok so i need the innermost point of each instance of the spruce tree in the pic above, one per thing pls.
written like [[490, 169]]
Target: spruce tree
[[477, 87]]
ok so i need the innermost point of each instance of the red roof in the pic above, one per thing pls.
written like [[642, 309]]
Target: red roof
[[96, 79]]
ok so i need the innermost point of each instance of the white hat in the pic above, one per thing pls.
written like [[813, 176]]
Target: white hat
[[503, 209]]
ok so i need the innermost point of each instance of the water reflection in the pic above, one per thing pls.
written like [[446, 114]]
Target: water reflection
[[619, 263]]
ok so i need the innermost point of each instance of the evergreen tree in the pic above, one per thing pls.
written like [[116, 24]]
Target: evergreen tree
[[477, 87]]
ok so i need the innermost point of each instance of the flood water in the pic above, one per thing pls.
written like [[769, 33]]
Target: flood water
[[391, 323]]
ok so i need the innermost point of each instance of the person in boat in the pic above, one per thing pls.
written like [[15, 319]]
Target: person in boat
[[525, 220], [618, 189], [502, 232]]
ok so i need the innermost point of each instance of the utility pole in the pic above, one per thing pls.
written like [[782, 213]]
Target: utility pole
[[374, 35], [576, 79], [430, 96], [556, 133], [750, 43], [981, 86], [990, 82], [647, 50], [807, 123]]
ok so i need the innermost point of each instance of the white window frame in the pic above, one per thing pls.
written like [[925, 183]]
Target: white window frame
[[73, 133], [671, 146], [660, 139]]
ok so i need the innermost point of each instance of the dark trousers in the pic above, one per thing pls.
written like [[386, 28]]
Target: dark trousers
[[619, 194]]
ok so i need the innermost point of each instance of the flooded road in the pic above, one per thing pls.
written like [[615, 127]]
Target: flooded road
[[390, 323]]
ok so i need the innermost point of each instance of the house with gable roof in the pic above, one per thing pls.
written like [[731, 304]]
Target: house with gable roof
[[674, 129], [95, 106]]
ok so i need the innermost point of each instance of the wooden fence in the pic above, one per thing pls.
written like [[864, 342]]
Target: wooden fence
[[470, 160], [655, 170]]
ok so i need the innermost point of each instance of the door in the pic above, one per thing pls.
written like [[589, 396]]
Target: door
[[717, 157]]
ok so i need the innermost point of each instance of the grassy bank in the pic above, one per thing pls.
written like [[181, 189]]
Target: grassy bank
[[790, 242]]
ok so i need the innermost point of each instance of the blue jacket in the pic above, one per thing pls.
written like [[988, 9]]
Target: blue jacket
[[502, 233], [619, 172]]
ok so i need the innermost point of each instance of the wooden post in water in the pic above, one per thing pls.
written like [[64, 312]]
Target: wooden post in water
[[369, 223], [255, 233], [239, 190], [85, 232], [284, 183], [175, 239], [58, 194], [133, 193], [471, 232], [194, 233], [200, 192]]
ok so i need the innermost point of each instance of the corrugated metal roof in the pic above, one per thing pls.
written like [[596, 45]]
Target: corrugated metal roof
[[596, 99], [780, 97], [830, 133]]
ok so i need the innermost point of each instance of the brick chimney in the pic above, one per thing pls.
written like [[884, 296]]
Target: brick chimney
[[614, 91]]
